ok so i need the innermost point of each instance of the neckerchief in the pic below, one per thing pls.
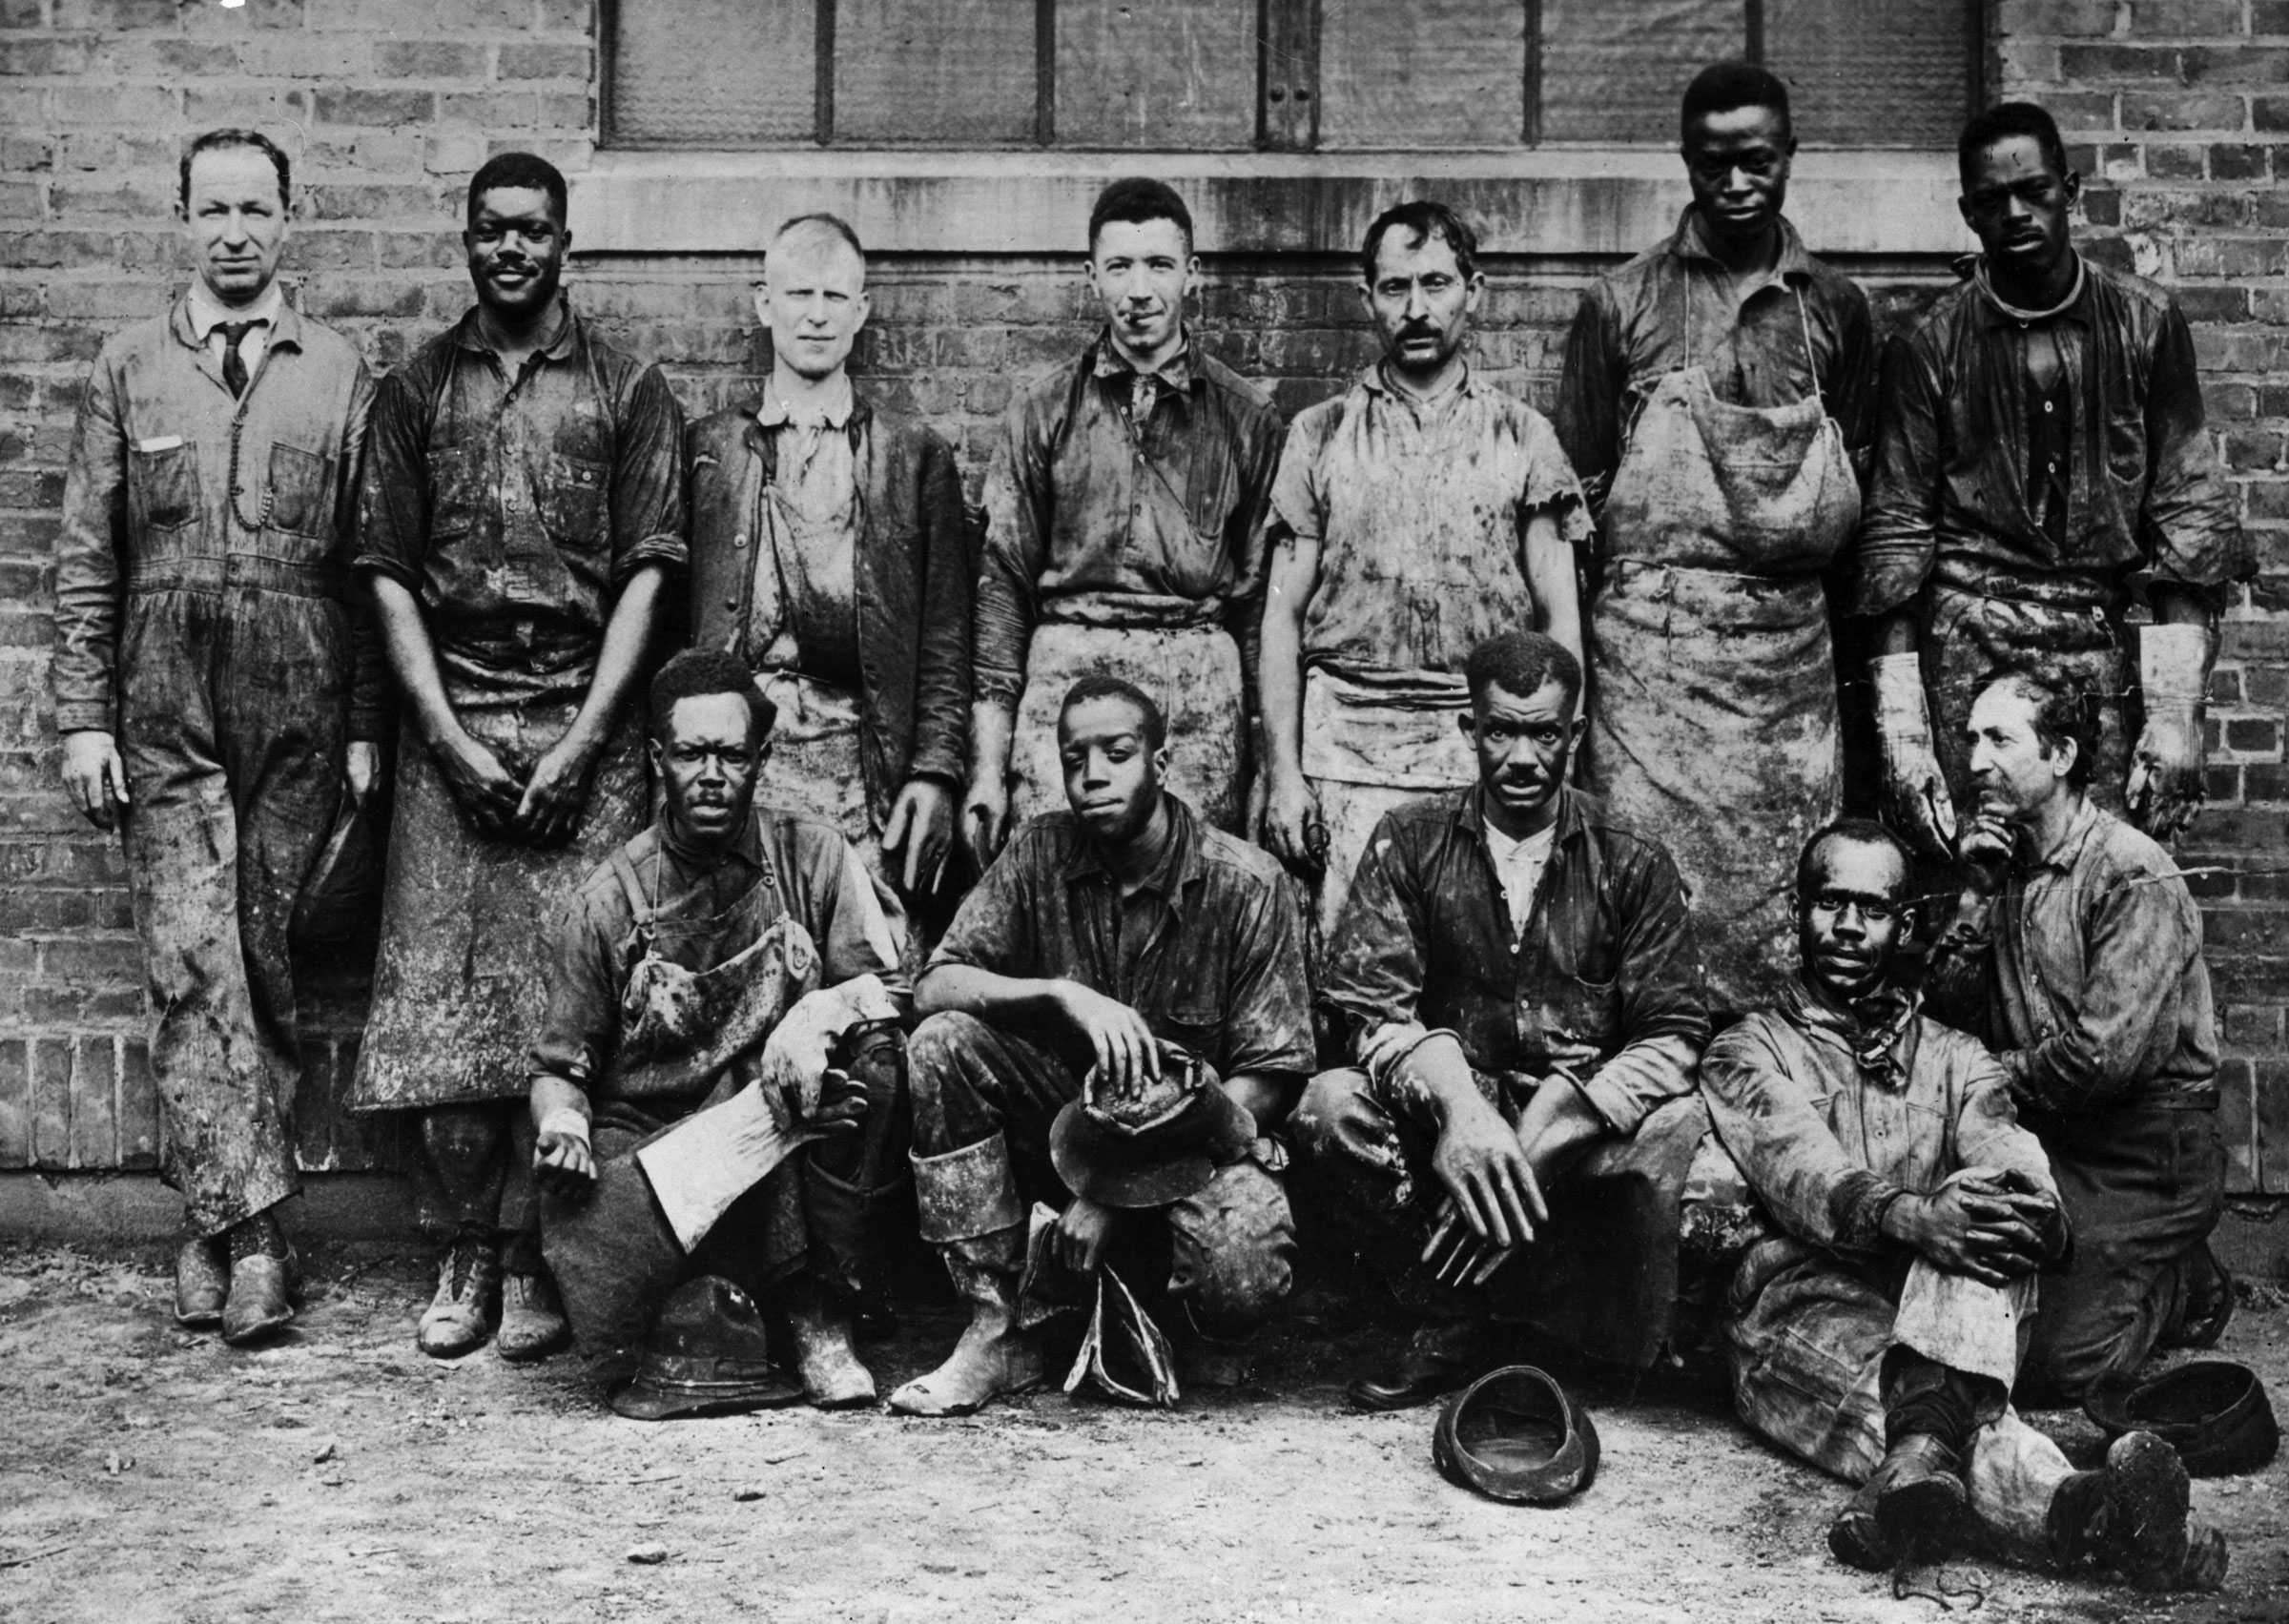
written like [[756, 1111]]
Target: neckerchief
[[1874, 1028]]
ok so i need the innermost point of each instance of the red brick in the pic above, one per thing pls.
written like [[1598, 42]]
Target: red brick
[[2269, 18], [430, 59], [2089, 19], [2234, 161]]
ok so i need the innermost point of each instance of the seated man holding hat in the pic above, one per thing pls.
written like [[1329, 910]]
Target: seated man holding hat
[[1137, 975], [716, 1081]]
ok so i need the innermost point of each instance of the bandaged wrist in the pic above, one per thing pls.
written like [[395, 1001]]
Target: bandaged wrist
[[566, 1120], [1899, 682], [2174, 663]]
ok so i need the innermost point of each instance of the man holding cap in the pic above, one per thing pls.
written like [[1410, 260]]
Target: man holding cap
[[1126, 956]]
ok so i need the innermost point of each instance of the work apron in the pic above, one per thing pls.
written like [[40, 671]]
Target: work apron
[[1713, 721]]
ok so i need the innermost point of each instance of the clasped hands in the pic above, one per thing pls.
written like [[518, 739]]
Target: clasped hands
[[1989, 1224]]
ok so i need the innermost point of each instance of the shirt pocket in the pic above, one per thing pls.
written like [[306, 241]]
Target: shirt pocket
[[574, 503], [1581, 1013], [300, 490], [461, 496], [1200, 1029], [163, 488]]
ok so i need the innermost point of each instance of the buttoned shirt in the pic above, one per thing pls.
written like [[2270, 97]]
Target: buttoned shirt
[[209, 313], [1603, 986], [2085, 976], [1209, 949], [1099, 516], [1952, 500], [805, 615]]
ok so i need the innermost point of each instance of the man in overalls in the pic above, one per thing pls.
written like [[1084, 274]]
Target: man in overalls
[[827, 551], [1125, 511], [1415, 514], [2042, 465], [522, 511], [216, 685], [730, 944], [1716, 402]]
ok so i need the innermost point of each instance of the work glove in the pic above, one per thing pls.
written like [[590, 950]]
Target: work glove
[[1915, 793], [2165, 791], [796, 1052]]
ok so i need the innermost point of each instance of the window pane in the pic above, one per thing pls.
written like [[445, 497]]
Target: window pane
[[714, 72], [958, 72], [1435, 74], [1169, 73], [1891, 75], [1616, 69]]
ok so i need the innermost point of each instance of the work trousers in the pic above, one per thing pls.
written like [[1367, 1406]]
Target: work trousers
[[1226, 1251], [474, 1173]]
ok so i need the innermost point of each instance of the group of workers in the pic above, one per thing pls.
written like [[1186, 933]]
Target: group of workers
[[923, 874]]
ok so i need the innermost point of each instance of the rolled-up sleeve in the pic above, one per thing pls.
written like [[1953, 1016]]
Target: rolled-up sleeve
[[1016, 524], [587, 947], [87, 561], [1299, 505], [647, 481], [1664, 1014], [369, 681], [1374, 960], [393, 506], [993, 928], [2190, 535], [1900, 537], [1766, 1117], [1588, 412]]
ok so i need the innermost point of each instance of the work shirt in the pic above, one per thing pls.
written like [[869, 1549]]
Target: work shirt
[[1603, 987], [514, 510], [209, 313], [805, 615], [1096, 516], [1208, 950], [1952, 500], [2086, 976], [1832, 1115], [1676, 305]]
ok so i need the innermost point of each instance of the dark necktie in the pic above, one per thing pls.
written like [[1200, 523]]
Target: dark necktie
[[233, 364]]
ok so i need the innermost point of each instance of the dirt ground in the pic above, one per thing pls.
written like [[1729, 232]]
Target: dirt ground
[[151, 1475]]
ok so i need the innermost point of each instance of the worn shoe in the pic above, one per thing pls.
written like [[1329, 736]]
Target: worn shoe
[[1908, 1506], [263, 1276], [532, 1319], [458, 1318], [994, 1359], [1441, 1356], [2130, 1518], [202, 1278], [832, 1377]]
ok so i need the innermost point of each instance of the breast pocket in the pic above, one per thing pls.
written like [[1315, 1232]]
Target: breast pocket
[[574, 504], [162, 486], [460, 492], [1580, 1014], [1198, 1030], [300, 494]]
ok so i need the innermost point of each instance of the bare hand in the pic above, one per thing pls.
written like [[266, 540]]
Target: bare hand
[[1128, 1057], [362, 772], [1915, 793], [1485, 1169], [94, 776], [553, 802], [1294, 830], [480, 785], [1082, 1229], [1968, 1230], [1459, 1258], [842, 1107], [2166, 787], [1985, 848], [986, 819], [921, 822], [561, 1160]]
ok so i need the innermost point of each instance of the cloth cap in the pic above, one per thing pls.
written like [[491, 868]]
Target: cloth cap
[[1515, 1435], [2212, 1411], [707, 1354], [1156, 1148]]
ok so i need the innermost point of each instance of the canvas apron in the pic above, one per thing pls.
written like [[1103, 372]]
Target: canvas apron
[[1713, 722]]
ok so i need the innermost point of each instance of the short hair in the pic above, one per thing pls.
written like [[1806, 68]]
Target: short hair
[[822, 222], [1100, 685], [1519, 663], [520, 172], [2066, 710], [701, 673], [1421, 219], [221, 140], [1859, 831], [1724, 86], [2002, 121], [1136, 200]]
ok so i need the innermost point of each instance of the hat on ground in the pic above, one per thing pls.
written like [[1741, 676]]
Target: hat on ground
[[1156, 1148], [2212, 1411], [707, 1355], [1515, 1435]]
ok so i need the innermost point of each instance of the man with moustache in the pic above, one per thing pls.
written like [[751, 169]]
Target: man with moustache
[[522, 512], [1124, 510], [1415, 514], [1515, 983], [1718, 400], [2075, 953], [1110, 941], [218, 687], [2042, 466]]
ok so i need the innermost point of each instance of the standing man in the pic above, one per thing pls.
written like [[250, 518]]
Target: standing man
[[1124, 514], [217, 685], [1515, 984], [2042, 462], [2075, 953], [1877, 1335], [827, 552], [523, 510], [1718, 397], [1416, 515], [1111, 940]]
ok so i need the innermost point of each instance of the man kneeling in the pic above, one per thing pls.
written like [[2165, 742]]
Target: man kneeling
[[1102, 941], [1878, 1335], [719, 959]]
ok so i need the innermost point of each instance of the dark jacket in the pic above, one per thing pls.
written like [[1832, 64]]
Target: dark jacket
[[912, 575]]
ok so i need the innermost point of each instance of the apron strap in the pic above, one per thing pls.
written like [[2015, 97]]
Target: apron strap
[[638, 903]]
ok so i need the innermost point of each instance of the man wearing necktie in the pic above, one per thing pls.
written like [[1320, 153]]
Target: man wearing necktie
[[218, 687]]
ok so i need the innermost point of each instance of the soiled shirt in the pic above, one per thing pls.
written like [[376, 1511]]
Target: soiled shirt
[[1208, 950], [208, 314], [806, 590], [1950, 500], [1828, 1142], [1603, 987], [2086, 977], [1097, 516], [1676, 305], [515, 508], [1519, 865]]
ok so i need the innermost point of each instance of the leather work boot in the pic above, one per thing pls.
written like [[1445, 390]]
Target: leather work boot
[[1442, 1355], [532, 1318], [262, 1280], [832, 1377], [459, 1317], [994, 1359], [2130, 1517], [202, 1278], [1907, 1506]]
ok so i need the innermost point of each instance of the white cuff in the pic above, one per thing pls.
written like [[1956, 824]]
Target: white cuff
[[2174, 662], [1899, 684], [566, 1120]]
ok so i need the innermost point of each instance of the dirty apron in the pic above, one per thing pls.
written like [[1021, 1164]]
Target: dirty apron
[[1191, 671], [1713, 720]]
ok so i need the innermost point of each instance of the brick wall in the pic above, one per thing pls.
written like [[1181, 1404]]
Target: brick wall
[[388, 105]]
